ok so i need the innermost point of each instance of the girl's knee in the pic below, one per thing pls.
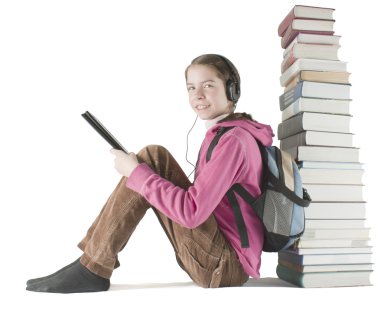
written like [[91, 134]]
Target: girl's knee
[[152, 149]]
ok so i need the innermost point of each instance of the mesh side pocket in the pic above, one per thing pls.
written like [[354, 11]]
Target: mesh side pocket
[[278, 213]]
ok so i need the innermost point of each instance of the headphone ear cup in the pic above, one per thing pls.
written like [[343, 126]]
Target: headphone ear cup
[[233, 92]]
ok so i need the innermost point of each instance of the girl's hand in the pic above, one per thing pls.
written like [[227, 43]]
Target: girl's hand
[[124, 163]]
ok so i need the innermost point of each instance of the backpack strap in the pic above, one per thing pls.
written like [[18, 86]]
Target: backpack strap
[[238, 217], [230, 193], [280, 187], [214, 142]]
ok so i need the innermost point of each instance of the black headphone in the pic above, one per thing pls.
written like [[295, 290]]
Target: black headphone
[[232, 84]]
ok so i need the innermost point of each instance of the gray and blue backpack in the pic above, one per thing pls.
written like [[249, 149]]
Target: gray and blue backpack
[[281, 204]]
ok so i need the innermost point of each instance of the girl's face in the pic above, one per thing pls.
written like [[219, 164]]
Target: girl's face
[[207, 94]]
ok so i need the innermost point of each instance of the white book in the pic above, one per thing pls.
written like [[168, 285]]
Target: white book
[[324, 279], [336, 165], [317, 105], [354, 233], [314, 121], [317, 138], [307, 259], [328, 223], [333, 250], [335, 210], [324, 154], [331, 176], [309, 51], [335, 193], [313, 39], [311, 65], [324, 243], [315, 268]]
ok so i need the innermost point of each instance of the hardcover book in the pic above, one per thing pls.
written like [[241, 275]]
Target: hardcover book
[[324, 154], [311, 65], [335, 193], [324, 279], [309, 26], [317, 138], [331, 176], [314, 121], [303, 11], [309, 51], [310, 89], [313, 39], [336, 210]]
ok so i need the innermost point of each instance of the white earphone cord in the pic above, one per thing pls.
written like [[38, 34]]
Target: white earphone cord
[[187, 146]]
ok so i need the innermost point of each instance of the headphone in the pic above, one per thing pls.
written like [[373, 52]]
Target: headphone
[[232, 84]]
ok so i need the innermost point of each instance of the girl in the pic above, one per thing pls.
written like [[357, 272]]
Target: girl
[[196, 217]]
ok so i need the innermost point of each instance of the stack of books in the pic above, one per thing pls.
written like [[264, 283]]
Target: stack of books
[[315, 130]]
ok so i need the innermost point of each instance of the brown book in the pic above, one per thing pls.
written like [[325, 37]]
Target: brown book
[[320, 77]]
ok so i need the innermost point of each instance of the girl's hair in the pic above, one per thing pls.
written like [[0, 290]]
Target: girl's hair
[[222, 69]]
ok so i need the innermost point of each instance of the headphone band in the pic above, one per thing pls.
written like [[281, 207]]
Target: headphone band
[[233, 83]]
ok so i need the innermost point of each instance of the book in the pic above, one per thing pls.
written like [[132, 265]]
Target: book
[[311, 65], [313, 39], [331, 250], [308, 26], [342, 233], [310, 89], [330, 106], [324, 279], [326, 224], [316, 138], [102, 131], [320, 77], [324, 154], [314, 121], [335, 193], [309, 51], [325, 243], [302, 11], [326, 267], [335, 210], [308, 259], [337, 165], [331, 176]]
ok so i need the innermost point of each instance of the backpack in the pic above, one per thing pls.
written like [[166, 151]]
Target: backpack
[[281, 205]]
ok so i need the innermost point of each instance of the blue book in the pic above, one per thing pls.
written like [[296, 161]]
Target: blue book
[[309, 89]]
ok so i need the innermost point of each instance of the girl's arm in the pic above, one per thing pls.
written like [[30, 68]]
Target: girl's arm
[[192, 207]]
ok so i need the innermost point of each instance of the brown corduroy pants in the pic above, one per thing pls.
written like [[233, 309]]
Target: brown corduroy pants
[[203, 252]]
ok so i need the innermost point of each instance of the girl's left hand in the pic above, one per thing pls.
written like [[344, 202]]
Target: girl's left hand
[[124, 163]]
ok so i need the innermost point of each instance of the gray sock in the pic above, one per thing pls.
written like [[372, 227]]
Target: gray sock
[[71, 279]]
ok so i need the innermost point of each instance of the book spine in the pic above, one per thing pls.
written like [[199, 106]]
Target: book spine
[[286, 22], [289, 276], [289, 59], [290, 96], [293, 141], [291, 126], [291, 33]]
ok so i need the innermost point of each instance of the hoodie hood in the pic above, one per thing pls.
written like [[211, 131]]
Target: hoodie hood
[[261, 132]]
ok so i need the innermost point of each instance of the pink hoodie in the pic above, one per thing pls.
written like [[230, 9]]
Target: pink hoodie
[[236, 158]]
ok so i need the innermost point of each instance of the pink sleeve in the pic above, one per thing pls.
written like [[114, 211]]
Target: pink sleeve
[[192, 207]]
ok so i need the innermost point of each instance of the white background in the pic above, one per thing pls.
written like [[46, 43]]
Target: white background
[[124, 61]]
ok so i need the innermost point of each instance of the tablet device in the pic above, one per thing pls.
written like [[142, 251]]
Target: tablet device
[[102, 131]]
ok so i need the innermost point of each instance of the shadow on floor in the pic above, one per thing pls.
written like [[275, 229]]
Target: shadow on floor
[[262, 282], [267, 282]]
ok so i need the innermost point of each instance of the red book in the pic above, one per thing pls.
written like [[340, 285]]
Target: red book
[[308, 26], [306, 12]]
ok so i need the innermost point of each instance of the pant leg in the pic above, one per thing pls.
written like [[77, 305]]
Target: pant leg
[[202, 252]]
